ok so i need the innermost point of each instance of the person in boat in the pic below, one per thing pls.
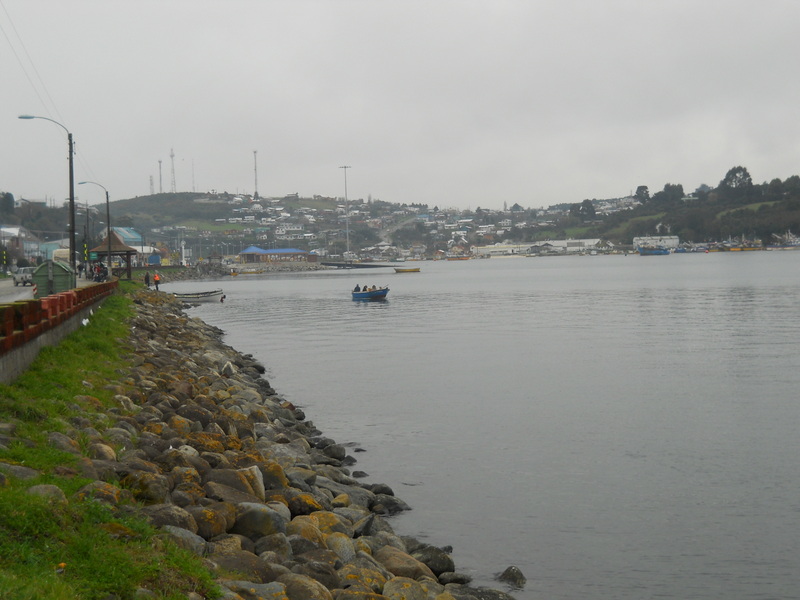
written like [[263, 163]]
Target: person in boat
[[357, 288]]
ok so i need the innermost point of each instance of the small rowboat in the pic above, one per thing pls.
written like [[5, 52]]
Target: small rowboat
[[210, 296], [376, 294], [406, 269]]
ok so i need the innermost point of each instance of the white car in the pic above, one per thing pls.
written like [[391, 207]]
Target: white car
[[23, 276]]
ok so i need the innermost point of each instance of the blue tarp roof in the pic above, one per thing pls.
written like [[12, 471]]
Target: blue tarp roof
[[128, 235], [257, 250]]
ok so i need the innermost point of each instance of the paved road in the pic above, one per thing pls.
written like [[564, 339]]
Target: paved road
[[386, 234], [11, 293]]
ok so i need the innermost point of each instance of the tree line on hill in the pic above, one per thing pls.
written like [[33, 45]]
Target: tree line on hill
[[735, 208]]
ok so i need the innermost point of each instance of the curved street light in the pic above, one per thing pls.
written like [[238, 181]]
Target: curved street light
[[108, 221], [71, 188]]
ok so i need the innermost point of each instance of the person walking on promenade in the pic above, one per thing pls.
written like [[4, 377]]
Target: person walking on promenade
[[156, 279], [147, 278]]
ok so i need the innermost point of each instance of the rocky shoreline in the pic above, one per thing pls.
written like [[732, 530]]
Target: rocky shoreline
[[229, 470]]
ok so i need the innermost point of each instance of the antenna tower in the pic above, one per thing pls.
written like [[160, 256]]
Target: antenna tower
[[172, 160], [255, 170], [346, 207], [152, 191], [160, 187]]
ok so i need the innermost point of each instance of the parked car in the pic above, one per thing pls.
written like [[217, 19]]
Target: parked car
[[23, 276]]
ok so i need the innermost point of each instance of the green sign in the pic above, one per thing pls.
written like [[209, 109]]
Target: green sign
[[92, 255]]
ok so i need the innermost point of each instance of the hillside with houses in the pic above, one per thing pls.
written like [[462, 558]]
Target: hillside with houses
[[195, 227]]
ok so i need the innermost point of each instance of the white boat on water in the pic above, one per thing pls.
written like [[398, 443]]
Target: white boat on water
[[209, 296]]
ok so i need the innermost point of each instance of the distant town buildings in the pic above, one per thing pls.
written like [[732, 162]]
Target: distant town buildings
[[252, 229]]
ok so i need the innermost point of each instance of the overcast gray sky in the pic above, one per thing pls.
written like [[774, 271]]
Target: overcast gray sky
[[455, 103]]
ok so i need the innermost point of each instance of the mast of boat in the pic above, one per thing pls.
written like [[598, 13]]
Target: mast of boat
[[346, 209]]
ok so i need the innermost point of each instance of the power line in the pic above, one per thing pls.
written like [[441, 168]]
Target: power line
[[48, 104], [32, 65]]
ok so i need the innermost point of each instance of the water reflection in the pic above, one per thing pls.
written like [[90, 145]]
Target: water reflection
[[611, 425]]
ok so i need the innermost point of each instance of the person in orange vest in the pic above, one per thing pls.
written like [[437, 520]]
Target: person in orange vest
[[156, 279]]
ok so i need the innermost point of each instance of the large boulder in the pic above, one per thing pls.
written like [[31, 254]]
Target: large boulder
[[342, 545], [247, 565], [62, 442], [303, 504], [361, 575], [320, 571], [256, 480], [103, 492], [276, 543], [214, 519], [161, 515], [371, 525], [52, 493], [303, 587], [464, 592], [357, 495], [403, 588], [437, 560], [257, 520], [233, 478], [386, 504], [401, 564], [185, 539], [330, 522], [305, 527], [149, 488], [513, 576], [225, 493], [247, 590]]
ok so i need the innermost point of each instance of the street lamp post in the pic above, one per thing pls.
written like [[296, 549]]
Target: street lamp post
[[108, 221], [86, 241], [71, 188]]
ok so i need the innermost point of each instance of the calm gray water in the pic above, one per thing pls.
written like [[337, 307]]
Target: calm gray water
[[617, 427]]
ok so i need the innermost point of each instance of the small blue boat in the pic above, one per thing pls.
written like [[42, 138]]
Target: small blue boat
[[376, 294], [653, 250]]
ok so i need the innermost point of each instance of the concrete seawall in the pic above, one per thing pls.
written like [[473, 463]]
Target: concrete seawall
[[29, 325]]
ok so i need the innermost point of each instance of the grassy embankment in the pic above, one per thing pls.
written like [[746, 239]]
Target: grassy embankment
[[78, 549]]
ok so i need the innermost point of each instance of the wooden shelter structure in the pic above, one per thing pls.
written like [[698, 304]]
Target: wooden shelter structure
[[119, 249], [254, 254]]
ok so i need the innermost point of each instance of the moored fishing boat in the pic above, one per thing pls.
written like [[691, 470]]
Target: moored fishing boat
[[406, 269], [209, 296], [653, 250]]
